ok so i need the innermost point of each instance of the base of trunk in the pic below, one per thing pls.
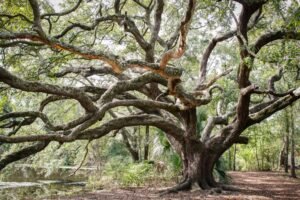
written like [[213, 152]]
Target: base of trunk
[[204, 182], [198, 169]]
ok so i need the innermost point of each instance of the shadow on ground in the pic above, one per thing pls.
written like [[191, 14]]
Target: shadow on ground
[[251, 185]]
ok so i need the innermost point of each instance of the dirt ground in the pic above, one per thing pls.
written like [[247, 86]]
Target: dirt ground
[[250, 185]]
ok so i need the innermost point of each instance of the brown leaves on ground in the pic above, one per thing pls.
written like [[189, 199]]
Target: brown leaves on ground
[[250, 185]]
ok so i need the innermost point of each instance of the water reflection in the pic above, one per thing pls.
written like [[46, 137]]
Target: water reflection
[[29, 183]]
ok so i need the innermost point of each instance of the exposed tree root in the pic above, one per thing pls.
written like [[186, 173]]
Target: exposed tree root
[[230, 188], [186, 185]]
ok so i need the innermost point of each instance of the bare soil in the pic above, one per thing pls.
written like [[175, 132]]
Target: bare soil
[[249, 185]]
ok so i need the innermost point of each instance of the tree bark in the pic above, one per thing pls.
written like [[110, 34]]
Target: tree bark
[[146, 144], [198, 160], [287, 144], [293, 167], [234, 158]]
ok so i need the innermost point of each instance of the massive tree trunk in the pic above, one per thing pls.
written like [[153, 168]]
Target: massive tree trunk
[[198, 168], [198, 160]]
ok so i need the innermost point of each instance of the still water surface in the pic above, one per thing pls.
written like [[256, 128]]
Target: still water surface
[[29, 183]]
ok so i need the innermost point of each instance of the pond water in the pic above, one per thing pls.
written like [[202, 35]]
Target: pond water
[[29, 183]]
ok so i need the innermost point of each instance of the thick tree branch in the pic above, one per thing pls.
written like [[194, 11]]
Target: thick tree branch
[[23, 153], [18, 83], [276, 35], [104, 129], [211, 122], [279, 104]]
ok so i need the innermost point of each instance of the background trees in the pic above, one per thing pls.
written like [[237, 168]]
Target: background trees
[[96, 68]]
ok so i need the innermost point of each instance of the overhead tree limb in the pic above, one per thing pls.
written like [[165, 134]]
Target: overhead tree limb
[[279, 104], [18, 83], [104, 129], [272, 36], [23, 153]]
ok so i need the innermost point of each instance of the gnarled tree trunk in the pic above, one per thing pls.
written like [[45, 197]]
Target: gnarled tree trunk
[[198, 160]]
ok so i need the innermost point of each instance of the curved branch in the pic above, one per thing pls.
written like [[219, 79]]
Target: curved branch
[[274, 107], [208, 51], [64, 12], [274, 79], [104, 129], [23, 153], [184, 28], [117, 64], [17, 15], [86, 27], [272, 36], [211, 123], [18, 83], [135, 120]]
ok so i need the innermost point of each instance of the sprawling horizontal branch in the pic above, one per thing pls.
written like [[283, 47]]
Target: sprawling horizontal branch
[[31, 114], [150, 120], [277, 105], [23, 153], [276, 35], [117, 64], [18, 83], [114, 124], [271, 92]]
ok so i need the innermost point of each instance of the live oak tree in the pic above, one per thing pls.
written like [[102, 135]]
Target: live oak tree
[[134, 47]]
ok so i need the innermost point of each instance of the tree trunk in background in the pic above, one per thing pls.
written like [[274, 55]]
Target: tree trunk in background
[[282, 154], [287, 143], [146, 144], [234, 158], [139, 139], [262, 154], [229, 159], [293, 167], [256, 154], [133, 151]]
